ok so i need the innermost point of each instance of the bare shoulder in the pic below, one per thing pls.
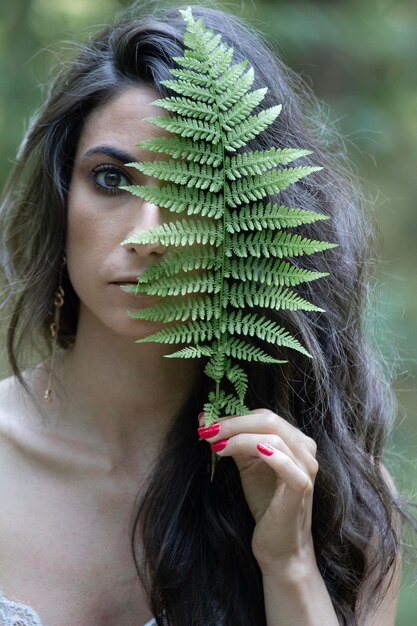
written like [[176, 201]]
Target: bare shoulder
[[17, 410], [17, 405], [12, 406], [8, 402]]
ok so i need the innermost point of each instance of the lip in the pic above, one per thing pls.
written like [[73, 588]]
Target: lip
[[125, 281], [126, 287]]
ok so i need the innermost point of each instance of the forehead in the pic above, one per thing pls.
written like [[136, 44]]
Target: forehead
[[121, 119]]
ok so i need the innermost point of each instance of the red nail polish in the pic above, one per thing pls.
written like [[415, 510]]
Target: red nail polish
[[210, 431], [219, 445], [265, 449]]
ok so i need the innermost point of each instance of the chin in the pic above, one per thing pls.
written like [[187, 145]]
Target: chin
[[136, 329]]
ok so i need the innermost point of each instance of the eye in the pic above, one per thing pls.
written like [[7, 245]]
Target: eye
[[109, 178]]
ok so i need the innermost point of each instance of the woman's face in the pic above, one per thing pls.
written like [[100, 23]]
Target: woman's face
[[101, 215]]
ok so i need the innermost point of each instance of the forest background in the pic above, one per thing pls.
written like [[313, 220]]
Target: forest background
[[360, 58]]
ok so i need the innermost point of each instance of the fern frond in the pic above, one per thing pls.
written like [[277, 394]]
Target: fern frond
[[239, 260]]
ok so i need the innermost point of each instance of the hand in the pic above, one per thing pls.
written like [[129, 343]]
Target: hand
[[278, 487]]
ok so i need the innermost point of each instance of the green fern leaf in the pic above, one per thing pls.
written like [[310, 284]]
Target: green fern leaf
[[257, 187], [244, 132], [238, 263], [277, 244], [221, 59], [188, 174], [192, 352], [272, 216], [185, 260], [179, 233], [240, 295], [253, 324], [187, 127], [178, 285], [183, 106], [239, 378], [197, 78], [181, 148], [241, 350], [241, 87], [201, 94], [252, 163], [230, 76], [216, 368], [193, 332], [180, 199], [270, 271], [240, 111], [175, 309]]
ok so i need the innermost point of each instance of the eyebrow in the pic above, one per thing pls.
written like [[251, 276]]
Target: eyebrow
[[114, 153]]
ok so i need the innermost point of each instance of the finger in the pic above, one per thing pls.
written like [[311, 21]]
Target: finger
[[286, 469], [244, 444], [263, 421]]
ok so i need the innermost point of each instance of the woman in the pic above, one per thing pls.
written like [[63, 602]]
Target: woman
[[115, 511]]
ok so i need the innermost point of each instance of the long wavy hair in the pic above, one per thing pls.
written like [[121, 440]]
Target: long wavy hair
[[198, 567]]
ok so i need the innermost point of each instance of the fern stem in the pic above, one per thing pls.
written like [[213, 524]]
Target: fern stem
[[213, 89]]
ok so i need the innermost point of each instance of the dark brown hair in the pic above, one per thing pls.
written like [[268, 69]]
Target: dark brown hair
[[197, 534]]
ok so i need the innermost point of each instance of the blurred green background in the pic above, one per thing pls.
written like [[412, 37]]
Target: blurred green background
[[360, 56]]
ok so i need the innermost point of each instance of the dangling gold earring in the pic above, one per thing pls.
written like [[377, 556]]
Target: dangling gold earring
[[54, 330]]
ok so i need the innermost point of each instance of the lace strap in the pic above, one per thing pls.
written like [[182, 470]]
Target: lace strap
[[17, 614]]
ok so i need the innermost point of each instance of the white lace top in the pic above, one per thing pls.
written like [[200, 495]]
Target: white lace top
[[17, 614]]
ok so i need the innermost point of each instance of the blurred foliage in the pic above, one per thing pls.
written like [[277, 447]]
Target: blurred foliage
[[361, 60]]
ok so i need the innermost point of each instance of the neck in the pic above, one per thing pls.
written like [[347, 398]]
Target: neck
[[116, 395]]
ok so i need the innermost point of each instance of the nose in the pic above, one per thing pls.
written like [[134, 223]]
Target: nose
[[147, 216]]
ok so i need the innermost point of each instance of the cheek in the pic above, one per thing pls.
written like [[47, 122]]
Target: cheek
[[85, 237]]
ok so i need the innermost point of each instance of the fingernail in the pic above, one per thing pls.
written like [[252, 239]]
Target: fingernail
[[265, 449], [210, 431], [200, 415], [219, 445]]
